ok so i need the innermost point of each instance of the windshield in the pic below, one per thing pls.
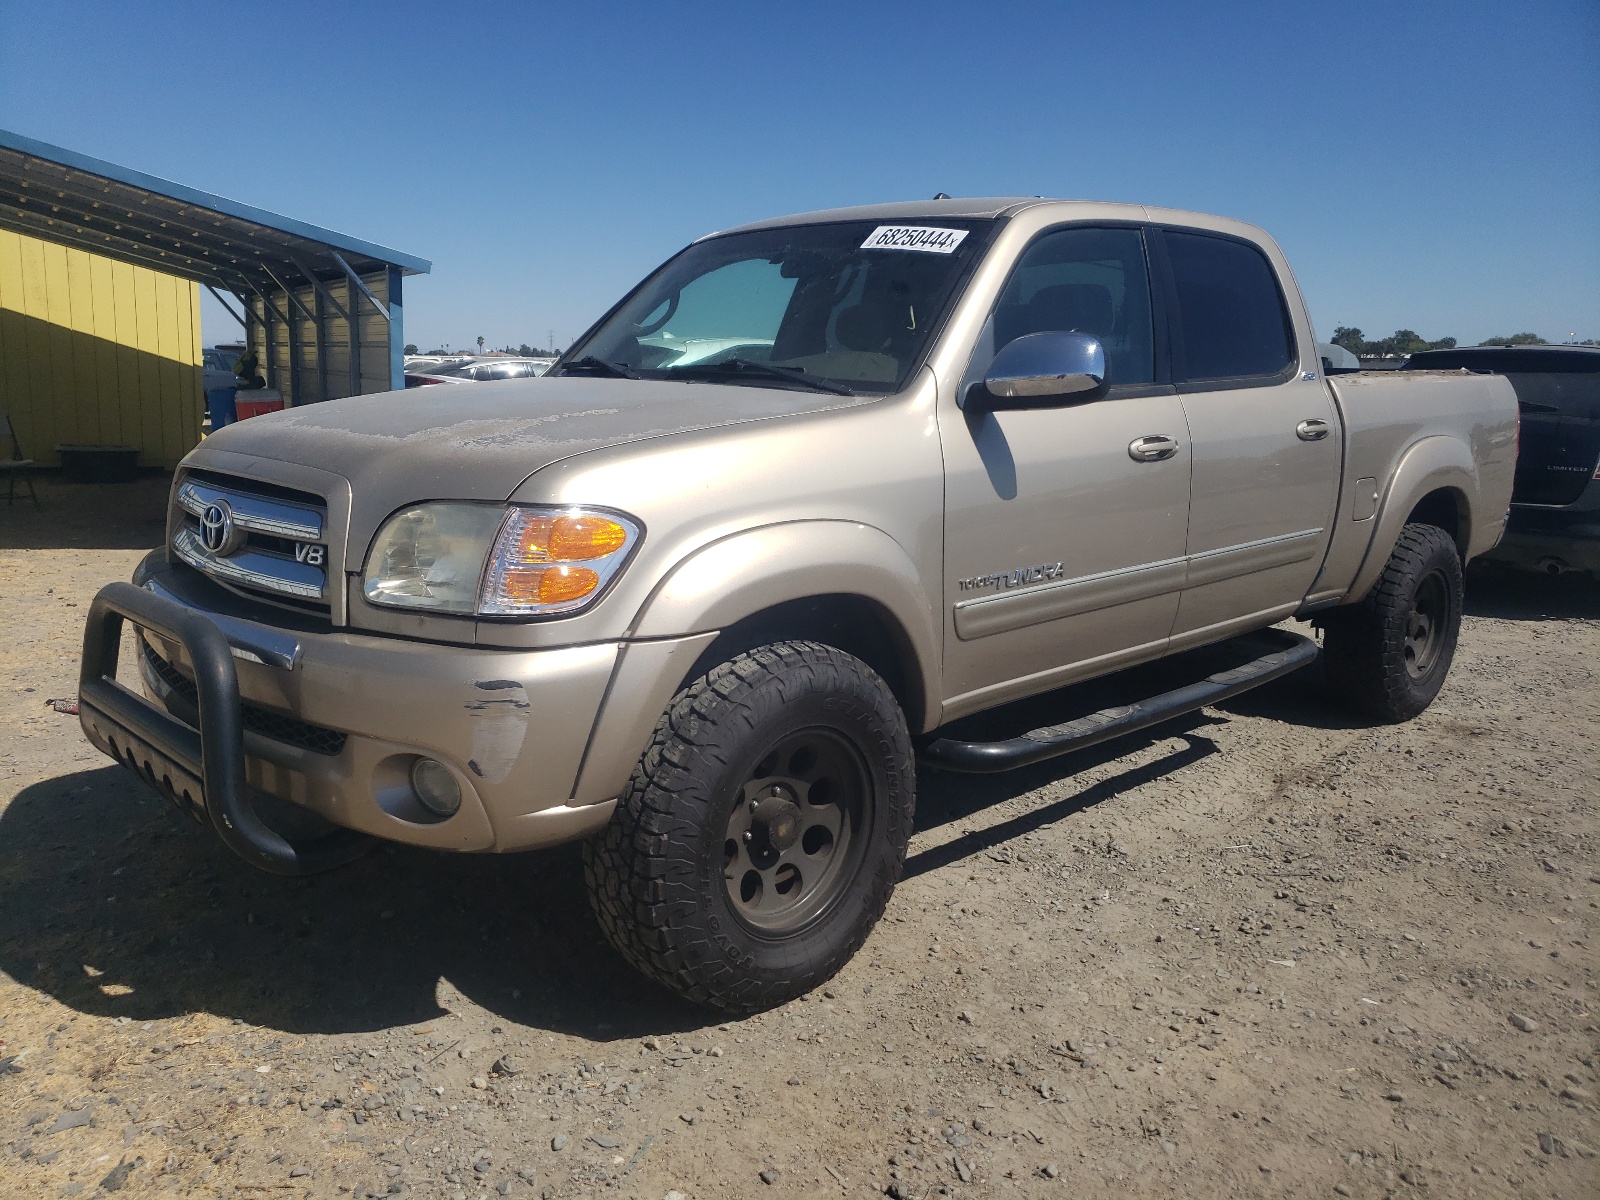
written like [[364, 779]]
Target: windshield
[[850, 305]]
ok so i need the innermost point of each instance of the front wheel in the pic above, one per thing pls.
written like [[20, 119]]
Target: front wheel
[[762, 832], [1387, 657]]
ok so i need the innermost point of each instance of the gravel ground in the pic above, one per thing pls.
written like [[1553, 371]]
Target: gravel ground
[[1263, 951]]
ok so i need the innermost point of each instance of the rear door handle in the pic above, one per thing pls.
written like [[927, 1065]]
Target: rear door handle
[[1153, 448], [1313, 430]]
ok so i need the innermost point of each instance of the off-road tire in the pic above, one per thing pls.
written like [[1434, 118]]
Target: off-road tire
[[656, 873], [1369, 649]]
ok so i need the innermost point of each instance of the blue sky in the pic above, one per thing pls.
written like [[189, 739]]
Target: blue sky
[[1434, 166]]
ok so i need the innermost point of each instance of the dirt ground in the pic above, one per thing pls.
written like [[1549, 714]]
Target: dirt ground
[[1264, 951]]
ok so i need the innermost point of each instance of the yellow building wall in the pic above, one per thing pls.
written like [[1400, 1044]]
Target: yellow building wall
[[97, 352]]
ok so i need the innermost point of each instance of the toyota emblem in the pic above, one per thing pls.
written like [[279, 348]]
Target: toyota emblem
[[217, 529]]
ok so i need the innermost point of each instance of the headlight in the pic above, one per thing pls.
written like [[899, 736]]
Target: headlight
[[431, 556], [541, 561]]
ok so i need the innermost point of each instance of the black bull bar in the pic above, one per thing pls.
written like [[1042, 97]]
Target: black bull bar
[[202, 770]]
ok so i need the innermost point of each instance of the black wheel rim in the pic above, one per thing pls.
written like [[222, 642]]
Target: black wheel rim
[[1426, 625], [795, 834]]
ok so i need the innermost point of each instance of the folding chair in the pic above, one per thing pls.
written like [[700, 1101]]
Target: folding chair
[[16, 465]]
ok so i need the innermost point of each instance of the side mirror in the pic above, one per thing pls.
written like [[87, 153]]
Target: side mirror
[[1037, 368]]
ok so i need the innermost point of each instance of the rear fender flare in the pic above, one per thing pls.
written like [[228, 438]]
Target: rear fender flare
[[1432, 464]]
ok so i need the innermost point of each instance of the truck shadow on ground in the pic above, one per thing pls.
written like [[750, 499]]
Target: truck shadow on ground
[[1297, 699], [1494, 591], [117, 905], [943, 797]]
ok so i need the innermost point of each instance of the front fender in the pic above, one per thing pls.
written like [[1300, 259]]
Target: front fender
[[749, 572], [738, 577], [1432, 464]]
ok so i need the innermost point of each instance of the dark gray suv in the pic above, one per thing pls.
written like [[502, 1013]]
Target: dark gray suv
[[1555, 505]]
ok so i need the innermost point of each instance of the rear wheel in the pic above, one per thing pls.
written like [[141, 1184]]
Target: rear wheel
[[763, 830], [1387, 657]]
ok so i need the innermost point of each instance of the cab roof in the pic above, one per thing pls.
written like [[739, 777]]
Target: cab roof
[[990, 208]]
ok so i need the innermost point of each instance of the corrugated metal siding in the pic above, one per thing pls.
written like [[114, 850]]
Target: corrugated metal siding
[[98, 352], [306, 371]]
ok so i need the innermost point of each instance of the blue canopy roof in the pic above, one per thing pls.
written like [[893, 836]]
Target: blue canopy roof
[[62, 196]]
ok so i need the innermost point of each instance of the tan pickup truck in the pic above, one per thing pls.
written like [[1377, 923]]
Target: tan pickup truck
[[813, 493]]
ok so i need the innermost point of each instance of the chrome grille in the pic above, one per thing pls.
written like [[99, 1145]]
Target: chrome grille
[[254, 539], [255, 513]]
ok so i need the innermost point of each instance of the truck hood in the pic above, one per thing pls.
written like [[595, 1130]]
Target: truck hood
[[480, 441]]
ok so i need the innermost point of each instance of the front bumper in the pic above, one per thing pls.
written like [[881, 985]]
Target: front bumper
[[332, 720]]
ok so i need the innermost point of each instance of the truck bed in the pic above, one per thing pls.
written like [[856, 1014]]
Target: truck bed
[[1390, 419]]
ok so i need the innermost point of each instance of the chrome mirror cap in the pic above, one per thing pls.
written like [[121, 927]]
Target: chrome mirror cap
[[1047, 364]]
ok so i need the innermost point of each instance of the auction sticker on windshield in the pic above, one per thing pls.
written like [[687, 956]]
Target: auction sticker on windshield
[[914, 237]]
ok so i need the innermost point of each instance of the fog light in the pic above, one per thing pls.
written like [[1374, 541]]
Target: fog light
[[435, 787]]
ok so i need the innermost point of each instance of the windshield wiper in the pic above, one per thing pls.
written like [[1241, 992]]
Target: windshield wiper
[[739, 366], [599, 366]]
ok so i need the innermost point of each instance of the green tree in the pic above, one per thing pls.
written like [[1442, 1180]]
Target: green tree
[[411, 347], [1399, 344], [1351, 339], [1516, 339], [1404, 341]]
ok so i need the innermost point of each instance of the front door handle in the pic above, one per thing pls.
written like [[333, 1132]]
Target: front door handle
[[1153, 448], [1313, 430]]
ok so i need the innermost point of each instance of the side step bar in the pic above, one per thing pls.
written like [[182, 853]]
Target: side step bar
[[1294, 652]]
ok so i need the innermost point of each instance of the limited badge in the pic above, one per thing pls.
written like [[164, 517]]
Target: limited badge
[[914, 237]]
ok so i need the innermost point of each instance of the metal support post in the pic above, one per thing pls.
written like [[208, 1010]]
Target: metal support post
[[322, 288], [292, 397], [228, 308], [357, 280], [353, 299], [293, 300], [397, 340], [322, 346]]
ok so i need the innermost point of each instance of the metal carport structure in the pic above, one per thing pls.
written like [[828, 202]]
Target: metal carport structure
[[322, 309]]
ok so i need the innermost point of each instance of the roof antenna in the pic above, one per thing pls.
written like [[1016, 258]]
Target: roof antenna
[[941, 196]]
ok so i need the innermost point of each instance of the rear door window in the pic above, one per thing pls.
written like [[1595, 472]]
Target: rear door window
[[1231, 321]]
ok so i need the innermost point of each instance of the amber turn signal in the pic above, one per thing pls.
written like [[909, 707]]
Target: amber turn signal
[[568, 538], [573, 539], [558, 585], [547, 585], [532, 568]]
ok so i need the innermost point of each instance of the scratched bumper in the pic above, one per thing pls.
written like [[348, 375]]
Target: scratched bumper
[[337, 731]]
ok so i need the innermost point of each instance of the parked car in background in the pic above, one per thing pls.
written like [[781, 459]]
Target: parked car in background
[[218, 361], [1555, 504], [474, 370], [424, 376], [482, 370], [430, 362]]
